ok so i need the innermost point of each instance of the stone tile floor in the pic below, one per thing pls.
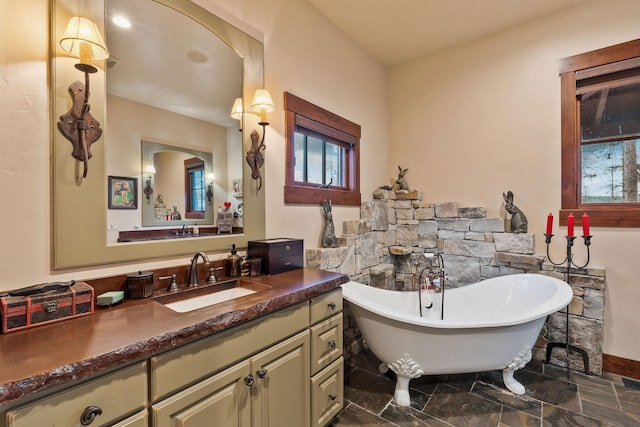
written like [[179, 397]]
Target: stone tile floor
[[480, 399]]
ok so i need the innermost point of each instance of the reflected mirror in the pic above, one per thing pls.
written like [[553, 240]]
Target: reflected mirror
[[182, 186], [178, 90], [168, 88]]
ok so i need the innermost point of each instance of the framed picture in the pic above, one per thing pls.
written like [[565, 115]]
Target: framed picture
[[122, 192]]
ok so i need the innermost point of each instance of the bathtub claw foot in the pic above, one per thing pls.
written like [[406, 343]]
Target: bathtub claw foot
[[511, 383], [507, 373], [405, 369], [401, 394]]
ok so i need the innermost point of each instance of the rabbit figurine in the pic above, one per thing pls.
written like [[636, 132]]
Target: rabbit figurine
[[518, 219], [401, 184], [328, 232]]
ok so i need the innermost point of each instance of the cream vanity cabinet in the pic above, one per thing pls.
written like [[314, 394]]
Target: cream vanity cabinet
[[281, 370], [260, 370], [285, 369], [102, 401]]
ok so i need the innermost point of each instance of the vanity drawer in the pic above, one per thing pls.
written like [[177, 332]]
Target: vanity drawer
[[326, 342], [326, 305], [115, 395], [327, 394]]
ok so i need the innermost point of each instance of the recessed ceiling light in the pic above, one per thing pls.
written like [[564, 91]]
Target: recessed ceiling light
[[121, 21], [196, 56]]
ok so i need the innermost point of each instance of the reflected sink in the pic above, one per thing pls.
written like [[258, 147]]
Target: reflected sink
[[209, 294]]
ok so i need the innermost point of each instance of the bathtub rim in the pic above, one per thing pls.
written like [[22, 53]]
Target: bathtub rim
[[560, 299]]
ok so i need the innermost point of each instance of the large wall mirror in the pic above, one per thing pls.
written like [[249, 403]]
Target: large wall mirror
[[162, 94]]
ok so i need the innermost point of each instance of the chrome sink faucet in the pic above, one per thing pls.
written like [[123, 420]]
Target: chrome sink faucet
[[193, 270]]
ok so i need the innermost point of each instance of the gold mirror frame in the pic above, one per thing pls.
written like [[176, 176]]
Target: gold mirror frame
[[79, 205]]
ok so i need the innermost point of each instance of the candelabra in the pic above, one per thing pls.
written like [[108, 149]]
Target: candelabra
[[569, 264]]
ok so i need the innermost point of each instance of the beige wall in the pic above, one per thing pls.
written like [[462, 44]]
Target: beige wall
[[473, 122]]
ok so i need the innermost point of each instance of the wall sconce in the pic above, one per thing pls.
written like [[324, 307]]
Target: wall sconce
[[148, 190], [210, 178], [82, 39], [261, 105]]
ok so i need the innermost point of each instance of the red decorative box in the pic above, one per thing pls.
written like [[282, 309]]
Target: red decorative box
[[47, 303]]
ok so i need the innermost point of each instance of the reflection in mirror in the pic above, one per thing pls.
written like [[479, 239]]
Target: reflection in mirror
[[177, 91], [179, 186], [85, 232]]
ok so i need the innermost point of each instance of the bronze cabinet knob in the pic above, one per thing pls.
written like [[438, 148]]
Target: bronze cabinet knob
[[89, 414]]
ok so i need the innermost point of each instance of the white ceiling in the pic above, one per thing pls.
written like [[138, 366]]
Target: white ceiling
[[396, 31], [166, 61]]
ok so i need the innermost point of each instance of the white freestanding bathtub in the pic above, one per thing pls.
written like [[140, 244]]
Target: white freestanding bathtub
[[489, 325]]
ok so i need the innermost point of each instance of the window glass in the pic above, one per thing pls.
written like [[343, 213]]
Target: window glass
[[196, 183], [318, 161], [609, 128]]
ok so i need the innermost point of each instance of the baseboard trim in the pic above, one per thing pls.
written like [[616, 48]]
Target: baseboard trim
[[621, 366]]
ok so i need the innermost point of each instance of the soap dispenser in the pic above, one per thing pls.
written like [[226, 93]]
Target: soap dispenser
[[234, 262]]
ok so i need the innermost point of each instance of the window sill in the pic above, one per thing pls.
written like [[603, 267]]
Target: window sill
[[605, 215], [310, 195]]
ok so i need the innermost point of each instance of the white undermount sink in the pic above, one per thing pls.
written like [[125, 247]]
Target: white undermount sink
[[201, 301], [192, 298]]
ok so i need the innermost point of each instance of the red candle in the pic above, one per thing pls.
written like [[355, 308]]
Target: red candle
[[549, 223], [570, 225], [585, 225]]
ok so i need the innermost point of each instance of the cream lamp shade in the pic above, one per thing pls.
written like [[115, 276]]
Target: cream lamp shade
[[82, 39], [262, 104], [236, 110]]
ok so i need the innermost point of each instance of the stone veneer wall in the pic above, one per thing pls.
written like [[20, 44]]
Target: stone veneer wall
[[396, 227]]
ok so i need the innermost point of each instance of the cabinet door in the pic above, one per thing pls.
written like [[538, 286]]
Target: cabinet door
[[221, 400], [139, 420], [280, 396]]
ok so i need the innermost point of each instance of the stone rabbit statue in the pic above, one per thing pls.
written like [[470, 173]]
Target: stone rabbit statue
[[328, 231], [518, 219], [401, 184]]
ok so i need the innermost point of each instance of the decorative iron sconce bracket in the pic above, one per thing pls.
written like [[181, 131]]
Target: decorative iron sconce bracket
[[78, 125]]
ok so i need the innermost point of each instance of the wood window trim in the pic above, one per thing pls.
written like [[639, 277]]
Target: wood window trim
[[572, 69], [189, 165], [297, 109]]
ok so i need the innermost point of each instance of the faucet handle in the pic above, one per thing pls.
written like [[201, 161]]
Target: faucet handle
[[173, 286], [212, 275]]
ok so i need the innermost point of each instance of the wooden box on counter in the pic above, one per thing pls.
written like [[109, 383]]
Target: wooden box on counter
[[278, 255], [42, 304]]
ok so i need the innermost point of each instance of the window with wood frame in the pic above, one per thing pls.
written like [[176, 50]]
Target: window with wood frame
[[195, 188], [323, 155], [600, 107]]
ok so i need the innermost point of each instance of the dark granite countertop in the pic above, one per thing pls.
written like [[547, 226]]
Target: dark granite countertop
[[55, 355]]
